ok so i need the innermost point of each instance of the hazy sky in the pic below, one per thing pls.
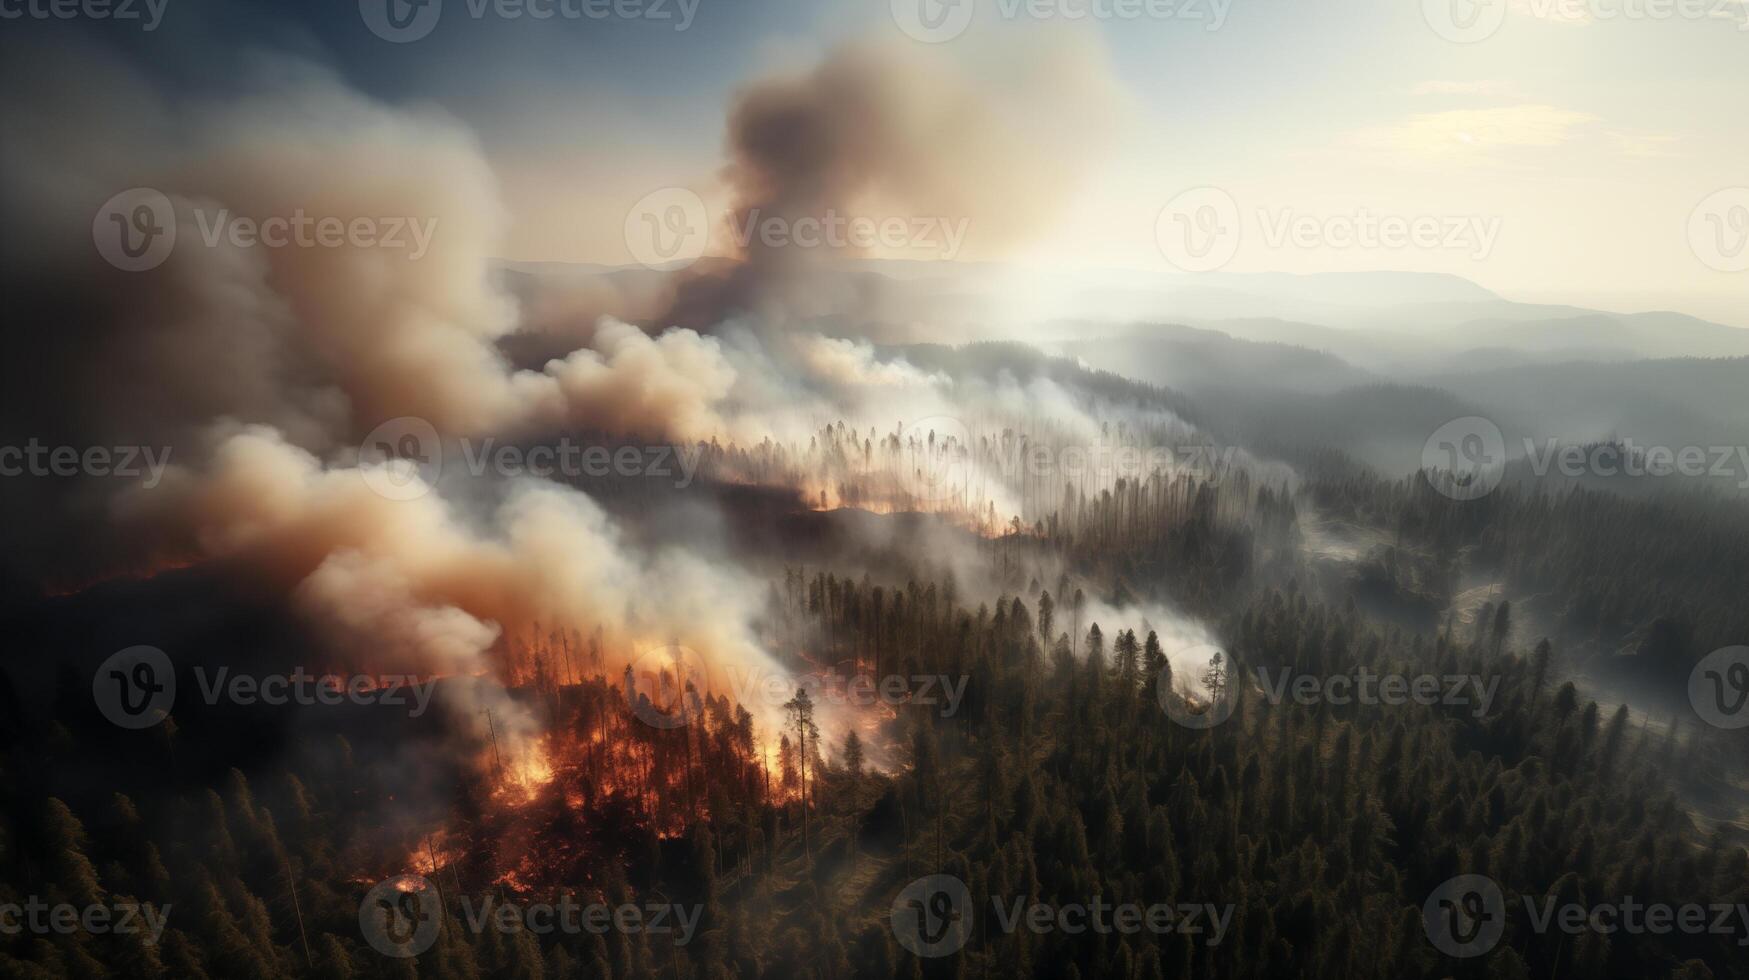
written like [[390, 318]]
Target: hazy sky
[[1562, 156]]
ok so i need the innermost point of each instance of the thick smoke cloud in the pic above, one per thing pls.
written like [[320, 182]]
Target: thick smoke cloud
[[668, 385], [418, 585], [322, 344], [261, 368], [889, 130], [543, 553]]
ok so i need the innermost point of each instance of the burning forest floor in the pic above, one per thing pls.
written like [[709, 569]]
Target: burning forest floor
[[1053, 771]]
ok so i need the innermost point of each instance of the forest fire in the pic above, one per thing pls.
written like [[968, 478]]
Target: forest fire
[[1005, 474], [529, 773], [578, 760], [560, 519], [585, 791]]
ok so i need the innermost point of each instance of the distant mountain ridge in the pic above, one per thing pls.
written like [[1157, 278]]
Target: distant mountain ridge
[[1376, 320]]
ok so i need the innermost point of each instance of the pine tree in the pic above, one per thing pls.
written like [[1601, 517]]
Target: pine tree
[[853, 754], [801, 713]]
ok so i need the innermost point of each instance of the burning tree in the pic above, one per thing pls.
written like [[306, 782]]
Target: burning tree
[[801, 714]]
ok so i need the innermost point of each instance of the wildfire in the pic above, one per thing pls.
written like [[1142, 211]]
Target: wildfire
[[524, 779], [435, 851], [571, 765], [825, 496]]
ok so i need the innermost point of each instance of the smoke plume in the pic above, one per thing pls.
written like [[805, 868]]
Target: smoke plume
[[889, 131]]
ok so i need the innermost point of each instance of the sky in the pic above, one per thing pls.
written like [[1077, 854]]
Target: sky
[[1590, 152]]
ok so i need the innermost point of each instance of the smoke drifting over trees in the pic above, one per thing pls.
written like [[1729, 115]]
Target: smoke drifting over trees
[[808, 615]]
